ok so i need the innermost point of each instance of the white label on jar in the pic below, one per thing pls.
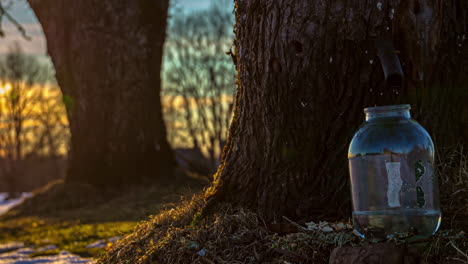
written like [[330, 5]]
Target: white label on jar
[[394, 183]]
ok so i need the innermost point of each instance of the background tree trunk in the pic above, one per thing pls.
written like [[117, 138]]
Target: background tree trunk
[[107, 56], [306, 70]]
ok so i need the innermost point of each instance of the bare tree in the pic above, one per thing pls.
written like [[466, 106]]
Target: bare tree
[[5, 5], [33, 120], [199, 79], [17, 75], [52, 124]]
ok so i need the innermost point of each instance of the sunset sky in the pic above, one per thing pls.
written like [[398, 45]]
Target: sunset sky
[[37, 44]]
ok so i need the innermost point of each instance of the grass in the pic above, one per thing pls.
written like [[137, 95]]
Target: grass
[[453, 181], [72, 216], [72, 236]]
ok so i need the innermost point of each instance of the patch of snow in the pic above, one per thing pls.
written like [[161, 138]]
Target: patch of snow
[[311, 226], [202, 252], [97, 244], [46, 248], [11, 246], [339, 226], [22, 251], [103, 243], [22, 257], [5, 205], [326, 227]]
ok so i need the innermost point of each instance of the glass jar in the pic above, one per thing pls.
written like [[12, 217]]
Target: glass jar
[[393, 178]]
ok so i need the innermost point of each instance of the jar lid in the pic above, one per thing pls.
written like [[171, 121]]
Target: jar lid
[[387, 108]]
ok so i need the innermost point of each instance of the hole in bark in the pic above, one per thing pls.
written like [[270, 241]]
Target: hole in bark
[[297, 46], [416, 8]]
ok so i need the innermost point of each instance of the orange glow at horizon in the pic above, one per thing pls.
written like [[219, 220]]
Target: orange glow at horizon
[[37, 100], [5, 88]]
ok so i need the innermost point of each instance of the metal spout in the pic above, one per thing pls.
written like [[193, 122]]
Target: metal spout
[[390, 63]]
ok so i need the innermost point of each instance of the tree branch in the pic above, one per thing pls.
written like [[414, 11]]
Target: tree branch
[[9, 17]]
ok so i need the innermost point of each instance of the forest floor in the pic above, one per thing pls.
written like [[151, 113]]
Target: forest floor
[[232, 235], [240, 236], [79, 220], [61, 223]]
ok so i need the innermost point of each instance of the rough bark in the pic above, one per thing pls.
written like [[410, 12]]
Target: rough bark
[[306, 69], [107, 56]]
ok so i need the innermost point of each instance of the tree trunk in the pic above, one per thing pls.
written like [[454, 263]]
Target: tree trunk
[[107, 56], [306, 70]]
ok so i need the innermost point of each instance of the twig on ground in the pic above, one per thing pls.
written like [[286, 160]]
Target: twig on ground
[[458, 250], [295, 224]]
